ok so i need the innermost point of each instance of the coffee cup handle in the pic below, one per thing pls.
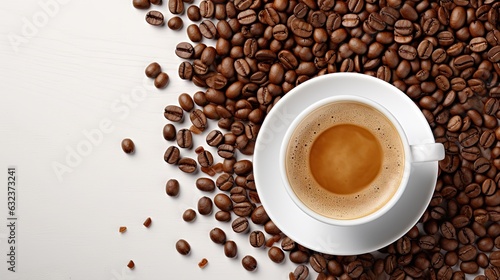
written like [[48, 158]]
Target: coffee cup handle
[[427, 152]]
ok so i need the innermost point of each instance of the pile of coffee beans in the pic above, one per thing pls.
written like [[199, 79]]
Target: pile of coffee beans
[[443, 54]]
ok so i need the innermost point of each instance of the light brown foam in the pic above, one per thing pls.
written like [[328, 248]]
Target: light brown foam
[[343, 202]]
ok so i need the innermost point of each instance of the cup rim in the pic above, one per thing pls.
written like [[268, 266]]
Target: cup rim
[[406, 171]]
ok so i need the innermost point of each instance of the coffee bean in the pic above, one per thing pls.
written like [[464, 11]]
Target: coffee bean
[[218, 236], [141, 4], [257, 239], [223, 216], [427, 242], [175, 23], [243, 209], [287, 244], [249, 263], [301, 272], [230, 249], [225, 151], [318, 262], [494, 54], [186, 71], [161, 80], [172, 155], [193, 13], [223, 202], [488, 187], [205, 205], [155, 18], [259, 216], [169, 132], [184, 138], [469, 138], [225, 182], [183, 247], [176, 6], [184, 50], [186, 102], [198, 119], [187, 165], [128, 146], [495, 258], [172, 187], [482, 165], [240, 225], [205, 184], [214, 138], [153, 70], [173, 113], [276, 254], [189, 215]]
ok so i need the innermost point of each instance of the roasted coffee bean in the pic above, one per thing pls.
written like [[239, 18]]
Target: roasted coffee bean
[[318, 262], [223, 216], [205, 184], [186, 102], [257, 239], [183, 247], [172, 155], [488, 187], [169, 132], [218, 236], [223, 202], [193, 13], [189, 215], [225, 151], [176, 6], [249, 263], [198, 119], [230, 249], [205, 159], [469, 138], [214, 138], [276, 255], [205, 205], [184, 138], [494, 54], [186, 71], [240, 225], [184, 50], [187, 165], [259, 216], [153, 70], [243, 209], [161, 80], [301, 272], [155, 18], [172, 187], [141, 4], [287, 244], [128, 146], [173, 113], [225, 182], [482, 165]]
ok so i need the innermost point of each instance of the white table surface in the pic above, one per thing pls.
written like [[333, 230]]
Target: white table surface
[[72, 68]]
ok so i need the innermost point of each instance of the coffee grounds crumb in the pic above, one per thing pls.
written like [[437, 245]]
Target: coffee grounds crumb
[[147, 222], [203, 263], [131, 264], [122, 229]]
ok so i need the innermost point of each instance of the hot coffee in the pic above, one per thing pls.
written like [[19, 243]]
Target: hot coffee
[[345, 160]]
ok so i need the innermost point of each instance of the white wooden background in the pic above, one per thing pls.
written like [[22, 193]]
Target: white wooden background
[[70, 69]]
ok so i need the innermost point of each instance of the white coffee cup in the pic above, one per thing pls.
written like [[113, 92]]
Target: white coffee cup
[[413, 154]]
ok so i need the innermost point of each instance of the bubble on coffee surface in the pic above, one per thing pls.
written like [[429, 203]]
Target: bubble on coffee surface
[[363, 201]]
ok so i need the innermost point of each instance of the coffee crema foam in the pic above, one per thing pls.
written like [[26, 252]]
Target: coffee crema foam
[[352, 205]]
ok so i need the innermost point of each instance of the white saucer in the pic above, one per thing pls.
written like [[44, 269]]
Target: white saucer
[[319, 236]]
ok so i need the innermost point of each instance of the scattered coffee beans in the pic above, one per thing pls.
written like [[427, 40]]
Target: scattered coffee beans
[[155, 18], [444, 55]]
